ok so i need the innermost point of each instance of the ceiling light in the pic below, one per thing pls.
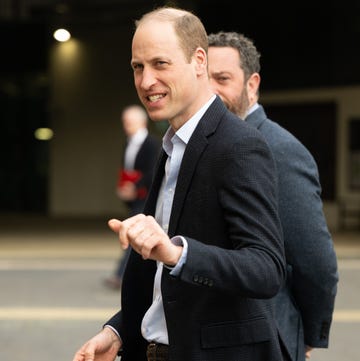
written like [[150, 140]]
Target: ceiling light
[[62, 35]]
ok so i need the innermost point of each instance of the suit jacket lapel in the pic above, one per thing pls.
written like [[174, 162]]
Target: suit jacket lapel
[[150, 205], [188, 165], [193, 151]]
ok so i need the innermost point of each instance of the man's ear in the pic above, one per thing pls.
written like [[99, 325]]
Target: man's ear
[[200, 57], [252, 87]]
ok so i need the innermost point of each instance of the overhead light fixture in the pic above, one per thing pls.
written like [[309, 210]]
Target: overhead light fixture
[[62, 35], [43, 133]]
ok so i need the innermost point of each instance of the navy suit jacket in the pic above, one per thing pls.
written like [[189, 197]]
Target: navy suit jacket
[[225, 205], [304, 307]]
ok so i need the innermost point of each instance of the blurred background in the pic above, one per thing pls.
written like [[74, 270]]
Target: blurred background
[[60, 102]]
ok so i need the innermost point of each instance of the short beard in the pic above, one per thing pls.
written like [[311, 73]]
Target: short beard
[[241, 105]]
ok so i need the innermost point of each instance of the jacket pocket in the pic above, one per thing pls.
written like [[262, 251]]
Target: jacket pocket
[[236, 333]]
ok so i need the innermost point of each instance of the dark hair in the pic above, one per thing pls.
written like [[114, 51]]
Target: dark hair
[[249, 55]]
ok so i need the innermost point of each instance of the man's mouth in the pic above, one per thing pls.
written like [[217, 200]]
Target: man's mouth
[[154, 98]]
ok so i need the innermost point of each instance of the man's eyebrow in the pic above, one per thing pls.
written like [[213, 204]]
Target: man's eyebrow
[[134, 62], [221, 72]]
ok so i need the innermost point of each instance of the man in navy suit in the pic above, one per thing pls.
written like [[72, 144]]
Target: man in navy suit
[[207, 254], [304, 307]]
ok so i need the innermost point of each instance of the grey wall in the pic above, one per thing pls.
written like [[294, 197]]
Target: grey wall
[[91, 81]]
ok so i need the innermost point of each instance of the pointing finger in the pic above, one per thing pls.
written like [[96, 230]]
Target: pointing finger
[[114, 225], [118, 227]]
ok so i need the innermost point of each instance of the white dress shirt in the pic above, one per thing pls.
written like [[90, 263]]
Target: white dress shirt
[[133, 147], [251, 110], [153, 327]]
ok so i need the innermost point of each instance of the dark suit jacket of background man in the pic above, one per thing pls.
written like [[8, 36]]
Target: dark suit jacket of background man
[[225, 199], [305, 305], [145, 162]]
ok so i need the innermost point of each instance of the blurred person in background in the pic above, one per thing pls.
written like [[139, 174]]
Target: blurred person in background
[[305, 305], [140, 155]]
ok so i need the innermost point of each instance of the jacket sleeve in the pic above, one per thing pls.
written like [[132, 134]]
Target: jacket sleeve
[[242, 252], [308, 243]]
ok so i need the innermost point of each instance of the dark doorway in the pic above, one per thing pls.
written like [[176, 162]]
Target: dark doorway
[[23, 109], [24, 159]]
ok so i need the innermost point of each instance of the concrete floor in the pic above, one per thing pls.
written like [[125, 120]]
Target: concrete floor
[[53, 298]]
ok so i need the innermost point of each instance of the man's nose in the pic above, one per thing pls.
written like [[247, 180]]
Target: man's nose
[[148, 78]]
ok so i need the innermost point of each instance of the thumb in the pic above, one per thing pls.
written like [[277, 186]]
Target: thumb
[[114, 225]]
